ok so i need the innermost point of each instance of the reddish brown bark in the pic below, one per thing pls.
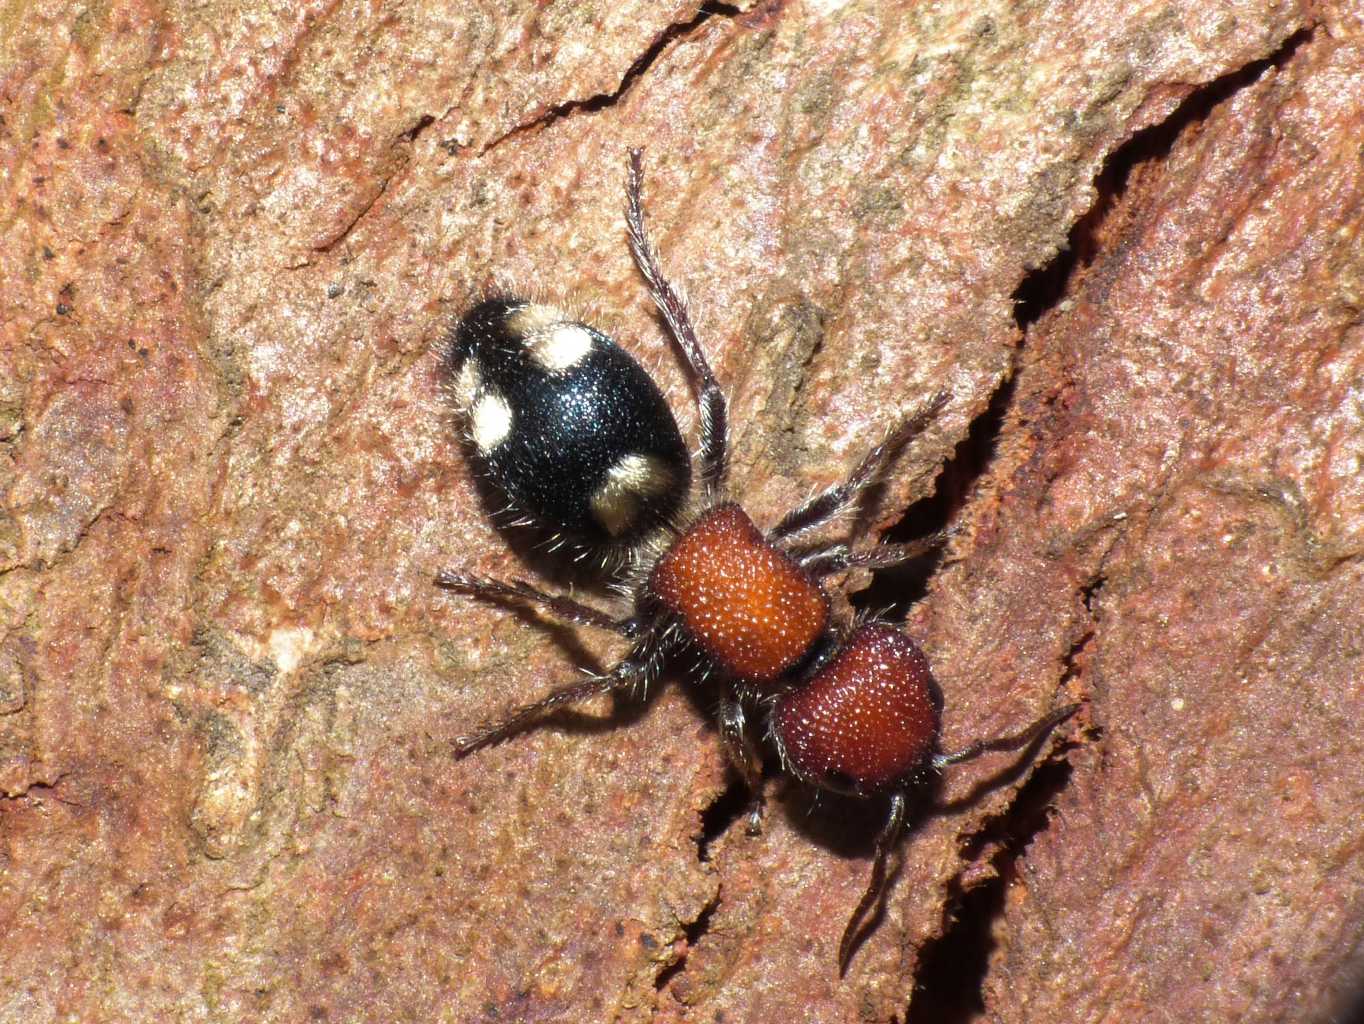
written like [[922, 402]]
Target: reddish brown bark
[[232, 238]]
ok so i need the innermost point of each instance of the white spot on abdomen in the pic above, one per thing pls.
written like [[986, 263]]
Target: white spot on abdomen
[[633, 478], [490, 421], [560, 347], [534, 318], [467, 384]]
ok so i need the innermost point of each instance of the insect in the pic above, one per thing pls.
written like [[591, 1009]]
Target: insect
[[579, 439]]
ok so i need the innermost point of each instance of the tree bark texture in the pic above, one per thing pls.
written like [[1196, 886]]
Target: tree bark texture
[[1126, 238]]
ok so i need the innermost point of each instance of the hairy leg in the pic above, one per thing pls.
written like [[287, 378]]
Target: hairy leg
[[710, 399], [830, 502], [556, 604], [634, 670]]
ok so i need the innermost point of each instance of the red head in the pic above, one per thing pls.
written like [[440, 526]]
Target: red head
[[866, 722]]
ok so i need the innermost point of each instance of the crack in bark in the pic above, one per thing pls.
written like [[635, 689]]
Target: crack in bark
[[591, 104], [405, 138], [642, 64], [892, 592], [692, 933], [35, 789], [716, 819], [1041, 290], [349, 226], [723, 812], [952, 968]]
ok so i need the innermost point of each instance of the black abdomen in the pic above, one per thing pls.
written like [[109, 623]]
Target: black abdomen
[[568, 426]]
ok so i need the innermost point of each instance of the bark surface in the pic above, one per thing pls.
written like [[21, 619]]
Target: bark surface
[[1126, 238]]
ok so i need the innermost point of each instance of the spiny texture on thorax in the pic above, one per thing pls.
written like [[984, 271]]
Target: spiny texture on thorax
[[747, 604], [866, 721]]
